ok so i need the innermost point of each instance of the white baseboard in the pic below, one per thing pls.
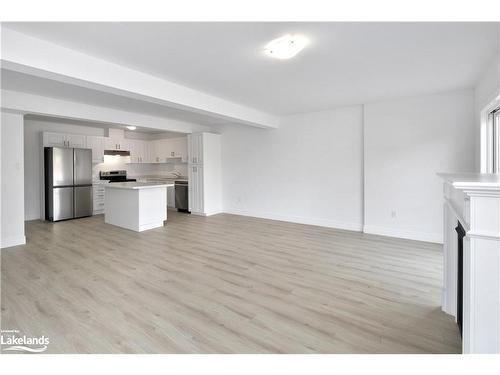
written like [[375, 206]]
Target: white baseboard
[[371, 229], [209, 213], [12, 241], [31, 217], [406, 234], [299, 220]]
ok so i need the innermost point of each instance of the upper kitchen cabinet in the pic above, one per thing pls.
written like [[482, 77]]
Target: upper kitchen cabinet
[[195, 148], [157, 151], [63, 140], [97, 145], [139, 151], [117, 144], [178, 149], [163, 150]]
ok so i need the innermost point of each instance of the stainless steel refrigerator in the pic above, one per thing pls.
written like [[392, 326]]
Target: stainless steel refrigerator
[[68, 183]]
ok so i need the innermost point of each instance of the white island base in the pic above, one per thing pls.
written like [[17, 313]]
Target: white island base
[[136, 206]]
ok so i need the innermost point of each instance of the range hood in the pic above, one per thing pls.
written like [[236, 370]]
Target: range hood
[[117, 152]]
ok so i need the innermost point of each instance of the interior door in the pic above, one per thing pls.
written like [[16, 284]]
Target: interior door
[[83, 166], [83, 201], [62, 166], [62, 203]]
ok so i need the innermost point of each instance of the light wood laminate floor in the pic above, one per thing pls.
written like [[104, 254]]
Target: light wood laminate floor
[[224, 284]]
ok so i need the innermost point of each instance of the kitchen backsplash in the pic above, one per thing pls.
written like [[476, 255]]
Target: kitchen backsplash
[[112, 163]]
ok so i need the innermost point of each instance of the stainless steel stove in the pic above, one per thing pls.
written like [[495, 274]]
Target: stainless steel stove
[[115, 176]]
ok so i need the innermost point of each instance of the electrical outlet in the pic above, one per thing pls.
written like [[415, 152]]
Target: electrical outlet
[[393, 214]]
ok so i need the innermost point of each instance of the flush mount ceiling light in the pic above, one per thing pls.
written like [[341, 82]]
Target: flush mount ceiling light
[[286, 46], [131, 127]]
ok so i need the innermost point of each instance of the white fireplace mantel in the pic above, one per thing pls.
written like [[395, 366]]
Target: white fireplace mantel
[[473, 199]]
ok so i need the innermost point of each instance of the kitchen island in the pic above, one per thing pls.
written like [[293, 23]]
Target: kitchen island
[[136, 206]]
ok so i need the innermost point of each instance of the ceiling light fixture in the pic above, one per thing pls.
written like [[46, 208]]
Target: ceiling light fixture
[[286, 47], [131, 127]]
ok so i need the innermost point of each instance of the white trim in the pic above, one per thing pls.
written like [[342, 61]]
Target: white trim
[[299, 219], [403, 233], [210, 213], [456, 212], [12, 241], [485, 151], [492, 236], [31, 217]]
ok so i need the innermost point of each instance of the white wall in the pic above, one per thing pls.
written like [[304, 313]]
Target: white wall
[[407, 141], [487, 89], [308, 171], [12, 180]]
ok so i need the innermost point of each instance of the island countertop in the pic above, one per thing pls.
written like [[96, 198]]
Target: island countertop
[[136, 185]]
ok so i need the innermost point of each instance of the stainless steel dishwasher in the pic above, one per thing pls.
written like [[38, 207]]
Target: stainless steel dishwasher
[[182, 196]]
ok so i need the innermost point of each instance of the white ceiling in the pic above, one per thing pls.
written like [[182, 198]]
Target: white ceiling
[[346, 63]]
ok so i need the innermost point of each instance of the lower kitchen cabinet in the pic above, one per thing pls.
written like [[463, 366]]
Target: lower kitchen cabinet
[[98, 198]]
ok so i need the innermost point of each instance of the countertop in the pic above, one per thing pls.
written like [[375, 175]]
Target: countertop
[[137, 185], [158, 178]]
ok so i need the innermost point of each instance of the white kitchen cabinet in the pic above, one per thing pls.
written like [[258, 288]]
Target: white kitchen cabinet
[[77, 141], [154, 149], [195, 147], [98, 197], [205, 186], [160, 150], [178, 149], [97, 145], [139, 151], [195, 192], [117, 144], [63, 140]]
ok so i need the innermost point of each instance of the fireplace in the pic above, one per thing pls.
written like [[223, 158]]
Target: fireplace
[[460, 274]]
